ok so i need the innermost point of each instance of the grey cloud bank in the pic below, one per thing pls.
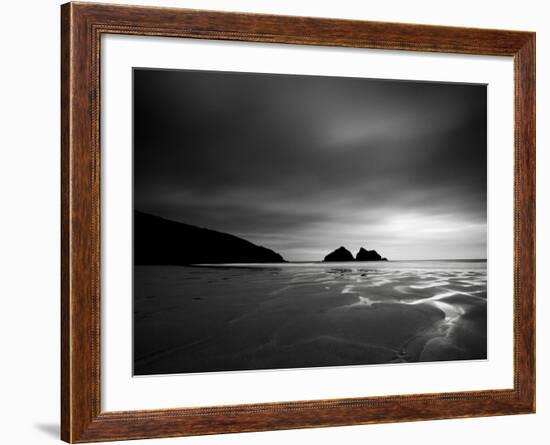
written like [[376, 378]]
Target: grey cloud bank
[[304, 164]]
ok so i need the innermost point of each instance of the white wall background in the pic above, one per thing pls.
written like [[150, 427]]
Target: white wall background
[[29, 235]]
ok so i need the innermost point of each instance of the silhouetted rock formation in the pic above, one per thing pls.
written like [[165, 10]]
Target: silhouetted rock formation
[[340, 254], [160, 241], [368, 255]]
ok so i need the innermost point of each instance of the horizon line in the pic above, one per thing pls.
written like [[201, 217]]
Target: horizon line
[[388, 260]]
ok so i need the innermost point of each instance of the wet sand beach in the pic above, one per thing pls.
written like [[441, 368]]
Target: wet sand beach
[[245, 317]]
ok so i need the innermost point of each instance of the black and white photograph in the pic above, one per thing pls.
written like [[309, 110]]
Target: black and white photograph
[[297, 221]]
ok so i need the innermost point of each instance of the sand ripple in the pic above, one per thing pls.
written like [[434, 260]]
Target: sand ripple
[[199, 319]]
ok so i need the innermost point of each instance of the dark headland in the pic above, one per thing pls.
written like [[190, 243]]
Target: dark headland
[[343, 254], [368, 255], [158, 241], [340, 254]]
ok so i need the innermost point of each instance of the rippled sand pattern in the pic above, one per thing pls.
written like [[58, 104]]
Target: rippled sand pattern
[[224, 318]]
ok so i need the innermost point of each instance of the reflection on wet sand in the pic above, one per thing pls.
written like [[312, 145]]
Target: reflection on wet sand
[[200, 319]]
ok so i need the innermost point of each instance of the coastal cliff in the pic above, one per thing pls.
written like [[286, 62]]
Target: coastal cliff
[[158, 241], [340, 254], [368, 255], [343, 254]]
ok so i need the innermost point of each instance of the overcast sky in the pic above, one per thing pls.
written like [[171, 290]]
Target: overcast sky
[[303, 164]]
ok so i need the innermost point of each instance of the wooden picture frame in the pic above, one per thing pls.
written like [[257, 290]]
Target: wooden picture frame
[[82, 25]]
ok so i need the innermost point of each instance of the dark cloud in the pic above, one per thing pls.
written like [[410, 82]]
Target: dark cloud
[[303, 164]]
